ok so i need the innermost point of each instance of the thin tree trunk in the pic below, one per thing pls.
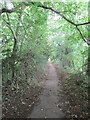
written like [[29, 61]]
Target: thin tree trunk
[[13, 56], [15, 46], [88, 68]]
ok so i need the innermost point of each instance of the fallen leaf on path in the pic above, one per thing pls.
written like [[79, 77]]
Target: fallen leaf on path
[[67, 102], [60, 109], [75, 116], [23, 103], [68, 111], [58, 105], [41, 109], [33, 102], [30, 105]]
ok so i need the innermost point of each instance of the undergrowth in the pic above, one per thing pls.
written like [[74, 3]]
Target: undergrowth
[[76, 90]]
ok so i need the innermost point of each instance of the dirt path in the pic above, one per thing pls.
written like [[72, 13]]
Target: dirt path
[[47, 107]]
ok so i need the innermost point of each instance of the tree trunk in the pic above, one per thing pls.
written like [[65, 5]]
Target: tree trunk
[[88, 68]]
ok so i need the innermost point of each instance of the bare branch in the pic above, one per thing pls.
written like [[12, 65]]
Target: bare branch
[[5, 10], [60, 13], [83, 24], [14, 35], [11, 28], [83, 36]]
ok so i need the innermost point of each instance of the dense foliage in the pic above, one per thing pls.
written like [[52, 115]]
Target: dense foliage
[[28, 52], [68, 47], [33, 32]]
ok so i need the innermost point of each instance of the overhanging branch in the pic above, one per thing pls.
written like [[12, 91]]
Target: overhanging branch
[[83, 36], [5, 10], [86, 23], [14, 35], [59, 13], [15, 38], [76, 25]]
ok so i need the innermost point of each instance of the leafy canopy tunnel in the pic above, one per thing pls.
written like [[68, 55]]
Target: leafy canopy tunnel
[[34, 31]]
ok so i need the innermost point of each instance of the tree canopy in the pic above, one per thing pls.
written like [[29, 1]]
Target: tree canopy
[[34, 32]]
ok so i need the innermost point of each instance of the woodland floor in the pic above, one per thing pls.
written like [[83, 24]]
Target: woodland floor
[[52, 100], [46, 100]]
